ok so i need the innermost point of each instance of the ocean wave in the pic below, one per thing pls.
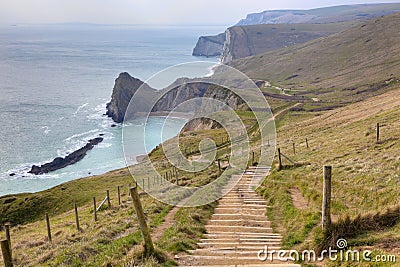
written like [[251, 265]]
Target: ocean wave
[[97, 115], [46, 129], [104, 145], [80, 108], [211, 70], [75, 136], [21, 173]]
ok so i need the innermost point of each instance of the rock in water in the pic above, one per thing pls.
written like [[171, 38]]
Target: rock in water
[[59, 162], [124, 88], [164, 100], [209, 46]]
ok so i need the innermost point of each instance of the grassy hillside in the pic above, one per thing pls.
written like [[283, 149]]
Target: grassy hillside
[[115, 239], [322, 15], [342, 67], [365, 204], [365, 183]]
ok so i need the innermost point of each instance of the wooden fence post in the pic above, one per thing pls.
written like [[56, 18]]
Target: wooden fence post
[[108, 199], [94, 209], [280, 158], [7, 255], [326, 198], [307, 142], [148, 243], [129, 188], [8, 236], [252, 159], [377, 132], [294, 148], [48, 227], [119, 196], [76, 216]]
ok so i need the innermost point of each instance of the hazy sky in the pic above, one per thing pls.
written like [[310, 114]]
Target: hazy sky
[[221, 12]]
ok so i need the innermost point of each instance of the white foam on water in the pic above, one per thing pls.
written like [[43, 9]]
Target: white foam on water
[[80, 108]]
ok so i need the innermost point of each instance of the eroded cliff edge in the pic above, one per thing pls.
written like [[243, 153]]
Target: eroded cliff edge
[[164, 100], [209, 46]]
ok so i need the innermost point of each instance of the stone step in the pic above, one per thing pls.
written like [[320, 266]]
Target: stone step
[[230, 216], [232, 235], [259, 211], [249, 265], [224, 228], [244, 233], [242, 196], [241, 239], [254, 245], [241, 205], [229, 251], [234, 260], [240, 223]]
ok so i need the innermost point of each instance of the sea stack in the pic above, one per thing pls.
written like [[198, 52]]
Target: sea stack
[[59, 162], [124, 88]]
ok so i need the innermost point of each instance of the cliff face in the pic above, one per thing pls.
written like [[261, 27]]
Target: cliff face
[[180, 91], [209, 46], [124, 88], [310, 24], [245, 41], [219, 93], [180, 94]]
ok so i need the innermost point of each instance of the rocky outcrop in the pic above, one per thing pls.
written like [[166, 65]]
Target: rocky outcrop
[[124, 88], [175, 95], [168, 99], [150, 99], [224, 96], [209, 46], [245, 41], [59, 162]]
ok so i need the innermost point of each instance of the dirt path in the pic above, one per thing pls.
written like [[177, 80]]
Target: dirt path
[[297, 198], [284, 110], [238, 229], [169, 221]]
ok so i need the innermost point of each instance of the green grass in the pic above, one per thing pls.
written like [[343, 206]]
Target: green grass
[[29, 207], [365, 204], [187, 230], [338, 69]]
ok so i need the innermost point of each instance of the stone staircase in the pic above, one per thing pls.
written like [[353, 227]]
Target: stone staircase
[[238, 229]]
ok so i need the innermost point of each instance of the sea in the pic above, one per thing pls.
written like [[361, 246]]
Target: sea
[[55, 81]]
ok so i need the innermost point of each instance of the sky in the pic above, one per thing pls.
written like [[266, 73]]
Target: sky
[[152, 12]]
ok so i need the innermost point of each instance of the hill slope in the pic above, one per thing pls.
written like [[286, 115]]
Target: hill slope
[[321, 15], [365, 181], [348, 65], [211, 46]]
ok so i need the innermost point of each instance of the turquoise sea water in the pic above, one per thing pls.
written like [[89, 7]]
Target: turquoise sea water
[[54, 84]]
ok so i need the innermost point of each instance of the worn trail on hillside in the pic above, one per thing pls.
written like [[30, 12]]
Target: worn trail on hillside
[[238, 229]]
